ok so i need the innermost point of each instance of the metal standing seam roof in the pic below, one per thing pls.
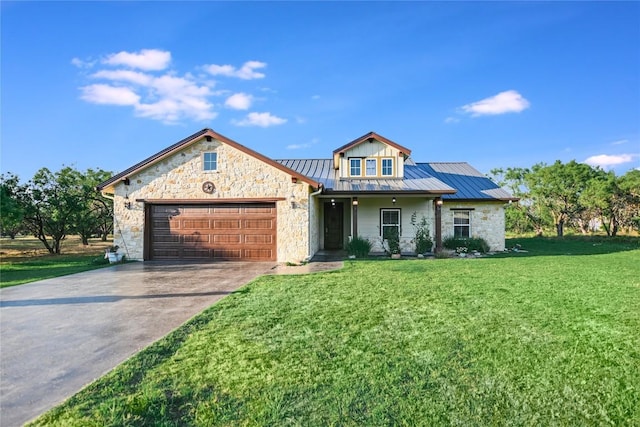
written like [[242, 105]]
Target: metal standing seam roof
[[469, 182], [322, 170]]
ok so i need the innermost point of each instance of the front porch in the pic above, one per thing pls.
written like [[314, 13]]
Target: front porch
[[342, 216]]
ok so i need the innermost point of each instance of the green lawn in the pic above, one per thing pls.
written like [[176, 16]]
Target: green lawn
[[24, 259], [19, 272], [511, 340]]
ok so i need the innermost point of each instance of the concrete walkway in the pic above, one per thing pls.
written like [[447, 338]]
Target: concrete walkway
[[58, 335]]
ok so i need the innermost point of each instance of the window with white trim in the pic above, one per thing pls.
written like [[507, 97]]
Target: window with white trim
[[389, 219], [210, 161], [355, 167], [371, 167], [387, 167], [462, 224]]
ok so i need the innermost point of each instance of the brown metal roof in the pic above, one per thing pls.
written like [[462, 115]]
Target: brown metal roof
[[190, 140]]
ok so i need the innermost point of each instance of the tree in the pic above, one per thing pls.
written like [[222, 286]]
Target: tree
[[56, 204], [604, 200], [558, 188], [629, 184], [527, 214], [96, 213], [12, 214]]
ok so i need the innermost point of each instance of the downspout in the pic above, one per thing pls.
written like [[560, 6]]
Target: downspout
[[315, 193]]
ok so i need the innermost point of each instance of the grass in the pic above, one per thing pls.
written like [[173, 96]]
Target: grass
[[24, 259], [511, 340]]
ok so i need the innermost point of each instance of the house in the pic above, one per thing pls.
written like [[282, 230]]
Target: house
[[209, 197]]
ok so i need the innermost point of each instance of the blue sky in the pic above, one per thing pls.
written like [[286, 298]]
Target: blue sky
[[497, 84]]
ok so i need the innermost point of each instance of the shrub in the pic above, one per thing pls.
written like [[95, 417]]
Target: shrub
[[359, 247], [392, 238], [472, 244], [422, 237]]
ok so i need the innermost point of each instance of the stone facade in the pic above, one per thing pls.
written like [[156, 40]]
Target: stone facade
[[238, 176], [487, 221]]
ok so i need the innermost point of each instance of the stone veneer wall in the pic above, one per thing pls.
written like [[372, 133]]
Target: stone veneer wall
[[239, 175], [487, 221]]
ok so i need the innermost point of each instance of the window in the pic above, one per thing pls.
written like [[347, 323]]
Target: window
[[389, 220], [462, 224], [355, 167], [372, 167], [387, 167], [210, 161]]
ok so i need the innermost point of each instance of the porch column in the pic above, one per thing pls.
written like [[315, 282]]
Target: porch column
[[438, 231], [354, 216]]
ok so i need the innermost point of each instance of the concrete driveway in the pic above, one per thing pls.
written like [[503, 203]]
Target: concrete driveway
[[58, 335]]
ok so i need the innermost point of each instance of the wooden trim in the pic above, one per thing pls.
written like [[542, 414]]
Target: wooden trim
[[208, 201], [364, 138]]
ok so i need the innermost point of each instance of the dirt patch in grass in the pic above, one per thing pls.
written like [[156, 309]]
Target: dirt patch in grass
[[29, 248]]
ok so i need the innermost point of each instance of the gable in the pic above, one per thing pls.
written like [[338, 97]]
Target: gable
[[371, 156], [205, 135]]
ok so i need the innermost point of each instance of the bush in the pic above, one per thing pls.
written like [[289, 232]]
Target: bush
[[472, 244], [359, 247], [422, 238]]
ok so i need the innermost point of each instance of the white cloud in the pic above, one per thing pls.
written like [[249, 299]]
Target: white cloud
[[305, 145], [246, 72], [143, 81], [172, 110], [82, 64], [260, 119], [314, 97], [125, 76], [509, 101], [111, 95], [620, 142], [239, 101], [167, 98], [449, 120], [146, 59], [608, 160]]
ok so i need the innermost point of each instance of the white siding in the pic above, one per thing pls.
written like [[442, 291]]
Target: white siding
[[369, 219]]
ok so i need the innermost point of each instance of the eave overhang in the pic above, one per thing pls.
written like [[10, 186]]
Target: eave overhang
[[108, 185]]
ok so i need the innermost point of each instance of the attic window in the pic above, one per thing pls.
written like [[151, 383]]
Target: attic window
[[387, 166], [355, 167], [210, 161], [371, 167]]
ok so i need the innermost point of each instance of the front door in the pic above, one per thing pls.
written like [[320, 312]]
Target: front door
[[333, 219]]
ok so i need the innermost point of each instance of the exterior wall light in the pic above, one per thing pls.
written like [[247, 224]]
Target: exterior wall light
[[355, 201], [393, 200]]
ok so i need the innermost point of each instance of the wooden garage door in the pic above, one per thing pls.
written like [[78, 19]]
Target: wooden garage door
[[243, 232]]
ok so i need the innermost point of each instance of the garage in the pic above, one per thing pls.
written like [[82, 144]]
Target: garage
[[224, 232]]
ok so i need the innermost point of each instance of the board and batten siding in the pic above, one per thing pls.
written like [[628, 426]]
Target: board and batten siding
[[372, 149]]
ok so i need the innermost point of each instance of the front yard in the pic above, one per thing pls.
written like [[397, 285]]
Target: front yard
[[517, 340]]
